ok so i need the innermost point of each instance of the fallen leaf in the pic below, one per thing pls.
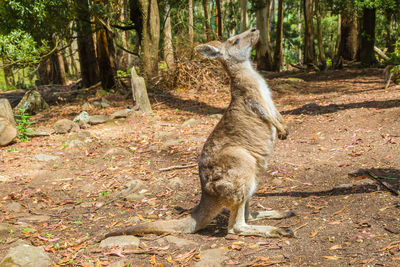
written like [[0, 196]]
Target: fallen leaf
[[335, 247]]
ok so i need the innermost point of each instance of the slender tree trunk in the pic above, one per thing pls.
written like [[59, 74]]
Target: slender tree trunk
[[390, 40], [124, 57], [309, 48], [57, 65], [218, 19], [278, 52], [151, 37], [263, 47], [44, 70], [367, 53], [299, 20], [320, 39], [87, 56], [207, 24], [191, 38], [243, 15], [105, 58], [168, 48], [72, 58], [8, 74]]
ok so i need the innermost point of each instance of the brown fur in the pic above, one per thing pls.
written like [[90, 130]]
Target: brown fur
[[235, 152]]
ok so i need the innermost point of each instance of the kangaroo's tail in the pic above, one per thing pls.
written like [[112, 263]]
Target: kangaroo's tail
[[202, 215]]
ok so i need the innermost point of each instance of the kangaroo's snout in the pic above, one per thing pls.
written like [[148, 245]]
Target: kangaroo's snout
[[253, 30]]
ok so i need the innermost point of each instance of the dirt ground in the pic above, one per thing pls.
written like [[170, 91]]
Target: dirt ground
[[344, 131]]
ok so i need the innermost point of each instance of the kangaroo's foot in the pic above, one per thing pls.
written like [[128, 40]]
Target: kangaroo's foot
[[283, 135], [268, 214], [260, 230]]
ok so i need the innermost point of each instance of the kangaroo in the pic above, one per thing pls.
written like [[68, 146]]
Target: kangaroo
[[235, 152]]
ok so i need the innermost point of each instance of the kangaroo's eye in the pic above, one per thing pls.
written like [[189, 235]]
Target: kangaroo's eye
[[236, 42]]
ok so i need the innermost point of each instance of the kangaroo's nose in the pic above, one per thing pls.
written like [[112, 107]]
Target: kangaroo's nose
[[253, 30]]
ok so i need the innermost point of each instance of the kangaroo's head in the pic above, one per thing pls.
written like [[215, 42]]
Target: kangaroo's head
[[235, 50]]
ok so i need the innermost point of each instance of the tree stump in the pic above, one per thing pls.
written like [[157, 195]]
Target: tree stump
[[6, 111], [139, 93], [32, 103]]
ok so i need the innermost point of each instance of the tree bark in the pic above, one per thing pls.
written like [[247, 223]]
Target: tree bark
[[218, 19], [390, 40], [105, 58], [57, 65], [299, 20], [278, 52], [207, 24], [243, 15], [263, 47], [320, 39], [168, 48], [309, 48], [190, 9], [367, 54], [87, 56], [150, 37]]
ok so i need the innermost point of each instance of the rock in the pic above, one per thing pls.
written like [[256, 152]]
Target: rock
[[76, 144], [139, 93], [20, 242], [96, 103], [180, 242], [120, 114], [4, 178], [65, 126], [101, 92], [5, 230], [83, 135], [7, 132], [175, 182], [216, 116], [32, 103], [6, 111], [117, 151], [123, 241], [98, 119], [212, 258], [164, 136], [26, 256], [86, 106], [83, 117], [188, 122], [104, 103], [45, 157], [133, 190], [39, 133], [172, 142], [13, 207]]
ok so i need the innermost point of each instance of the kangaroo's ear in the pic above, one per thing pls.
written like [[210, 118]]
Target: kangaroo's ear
[[208, 51]]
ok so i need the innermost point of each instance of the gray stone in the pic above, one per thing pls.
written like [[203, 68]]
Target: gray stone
[[83, 117], [83, 135], [98, 119], [96, 103], [6, 111], [104, 103], [132, 190], [65, 126], [188, 122], [39, 133], [4, 178], [5, 230], [32, 103], [180, 242], [45, 157], [7, 132], [120, 114], [212, 258], [123, 241], [26, 256], [13, 207]]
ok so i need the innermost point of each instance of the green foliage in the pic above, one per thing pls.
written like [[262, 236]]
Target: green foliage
[[23, 125], [121, 74]]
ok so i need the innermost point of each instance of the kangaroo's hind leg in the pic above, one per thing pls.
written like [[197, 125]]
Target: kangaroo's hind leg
[[265, 214]]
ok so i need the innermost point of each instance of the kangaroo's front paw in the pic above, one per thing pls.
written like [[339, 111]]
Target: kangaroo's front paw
[[283, 136]]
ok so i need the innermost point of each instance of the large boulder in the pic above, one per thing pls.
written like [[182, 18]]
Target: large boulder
[[7, 132], [6, 111], [26, 256], [32, 103]]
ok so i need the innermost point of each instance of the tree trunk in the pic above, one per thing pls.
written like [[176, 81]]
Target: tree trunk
[[320, 39], [123, 56], [390, 40], [57, 65], [263, 47], [348, 44], [72, 58], [191, 38], [87, 57], [299, 20], [168, 48], [150, 36], [367, 53], [8, 74], [207, 24], [309, 48], [218, 19], [105, 58], [278, 52], [243, 15]]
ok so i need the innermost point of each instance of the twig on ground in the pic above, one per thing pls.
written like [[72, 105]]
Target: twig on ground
[[178, 167]]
